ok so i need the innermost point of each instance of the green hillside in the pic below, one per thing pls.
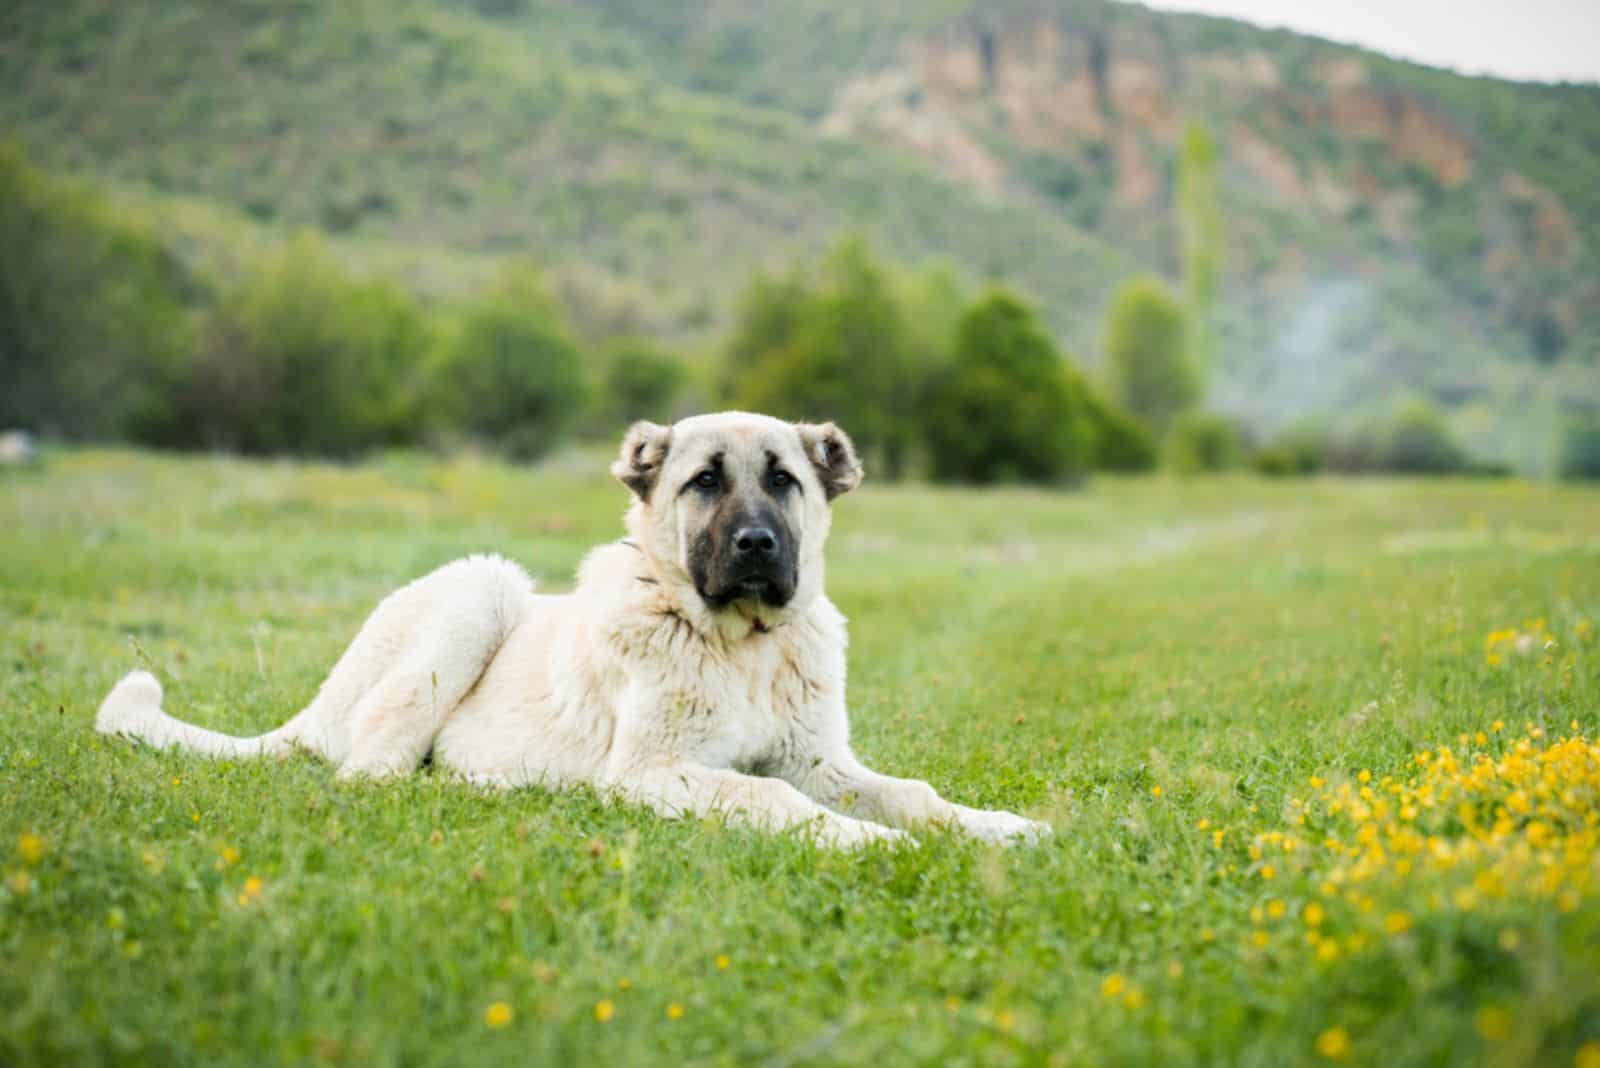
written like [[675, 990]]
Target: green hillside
[[1390, 227]]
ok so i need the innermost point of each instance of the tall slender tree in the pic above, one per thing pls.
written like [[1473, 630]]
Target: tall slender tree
[[1200, 244]]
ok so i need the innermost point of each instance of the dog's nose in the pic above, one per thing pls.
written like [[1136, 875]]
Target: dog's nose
[[757, 542]]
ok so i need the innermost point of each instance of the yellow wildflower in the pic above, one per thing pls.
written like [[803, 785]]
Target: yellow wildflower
[[1397, 923], [1155, 791], [1312, 914], [604, 1010], [1276, 909], [1113, 984], [497, 1015], [30, 847], [1134, 998], [722, 962], [1588, 1056], [1492, 1022], [1268, 872], [674, 1011], [1334, 1044]]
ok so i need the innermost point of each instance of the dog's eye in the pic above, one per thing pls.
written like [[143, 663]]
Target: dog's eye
[[780, 480], [707, 479]]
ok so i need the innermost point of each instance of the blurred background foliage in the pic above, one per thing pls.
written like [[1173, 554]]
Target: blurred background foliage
[[1090, 235]]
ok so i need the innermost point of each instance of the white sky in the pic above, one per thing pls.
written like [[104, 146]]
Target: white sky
[[1529, 40]]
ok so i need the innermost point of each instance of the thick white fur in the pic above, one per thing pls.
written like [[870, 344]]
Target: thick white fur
[[630, 683]]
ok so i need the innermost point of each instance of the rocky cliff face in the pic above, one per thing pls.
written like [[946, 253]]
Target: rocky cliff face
[[1359, 203], [969, 96]]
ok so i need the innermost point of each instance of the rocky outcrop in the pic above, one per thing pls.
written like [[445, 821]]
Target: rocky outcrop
[[984, 95]]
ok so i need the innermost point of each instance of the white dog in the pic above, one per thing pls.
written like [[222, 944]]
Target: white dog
[[697, 667]]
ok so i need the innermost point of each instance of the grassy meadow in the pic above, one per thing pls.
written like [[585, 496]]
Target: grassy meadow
[[1307, 748]]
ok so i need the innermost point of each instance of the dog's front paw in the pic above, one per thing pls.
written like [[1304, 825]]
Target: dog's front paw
[[1005, 828], [845, 833]]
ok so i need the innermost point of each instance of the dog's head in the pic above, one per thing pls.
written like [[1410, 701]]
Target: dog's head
[[737, 506]]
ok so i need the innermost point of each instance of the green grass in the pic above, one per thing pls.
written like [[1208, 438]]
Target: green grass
[[1060, 655]]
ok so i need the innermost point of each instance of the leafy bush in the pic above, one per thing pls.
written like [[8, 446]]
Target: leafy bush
[[1147, 370], [92, 313], [1418, 441], [1121, 442], [1357, 448], [302, 358], [836, 351], [511, 375], [1203, 442], [1008, 408], [1296, 451], [1414, 440], [1580, 448], [637, 381]]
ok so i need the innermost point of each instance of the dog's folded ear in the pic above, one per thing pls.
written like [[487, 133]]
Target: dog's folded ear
[[644, 449], [830, 452]]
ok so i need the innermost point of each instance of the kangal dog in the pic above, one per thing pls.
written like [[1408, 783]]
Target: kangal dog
[[697, 668]]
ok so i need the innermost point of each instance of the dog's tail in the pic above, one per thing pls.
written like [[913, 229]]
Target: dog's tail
[[133, 709]]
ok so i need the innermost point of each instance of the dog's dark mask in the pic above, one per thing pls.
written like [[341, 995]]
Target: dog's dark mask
[[747, 552]]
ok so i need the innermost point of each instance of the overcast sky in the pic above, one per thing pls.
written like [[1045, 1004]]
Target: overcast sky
[[1543, 40]]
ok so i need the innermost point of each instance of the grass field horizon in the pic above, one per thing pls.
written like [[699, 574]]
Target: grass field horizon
[[1319, 755]]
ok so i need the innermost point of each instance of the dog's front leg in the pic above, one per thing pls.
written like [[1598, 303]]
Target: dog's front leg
[[653, 761], [823, 767], [843, 782], [679, 789]]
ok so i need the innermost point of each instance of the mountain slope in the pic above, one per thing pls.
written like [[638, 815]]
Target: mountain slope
[[1390, 226]]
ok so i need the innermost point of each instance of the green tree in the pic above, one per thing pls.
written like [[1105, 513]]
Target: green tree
[[1008, 408], [837, 352], [766, 320], [300, 357], [1200, 240], [1121, 442], [638, 380], [92, 310], [511, 373], [1580, 447], [933, 301], [1418, 441], [1147, 371], [1203, 442]]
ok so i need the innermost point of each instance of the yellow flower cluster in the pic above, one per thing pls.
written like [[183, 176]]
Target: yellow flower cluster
[[1117, 987], [1534, 637], [251, 891], [30, 850], [1465, 829]]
